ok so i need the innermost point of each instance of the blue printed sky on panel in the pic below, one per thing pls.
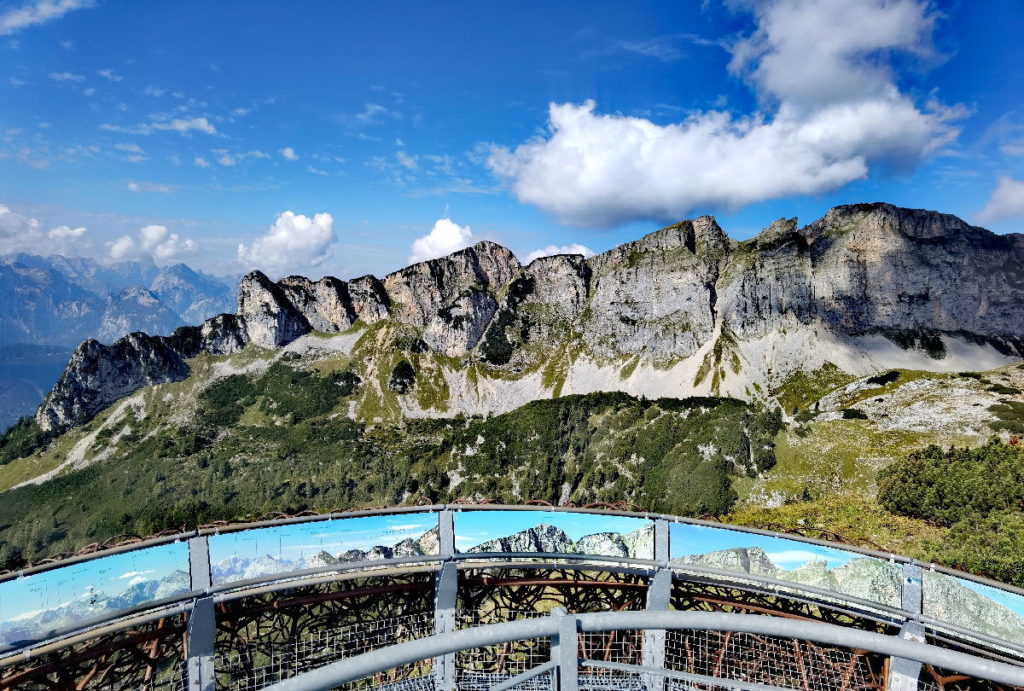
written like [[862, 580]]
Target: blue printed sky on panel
[[538, 125]]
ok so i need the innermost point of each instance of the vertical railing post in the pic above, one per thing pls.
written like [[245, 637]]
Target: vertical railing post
[[446, 593], [565, 652], [201, 637], [659, 596], [903, 673]]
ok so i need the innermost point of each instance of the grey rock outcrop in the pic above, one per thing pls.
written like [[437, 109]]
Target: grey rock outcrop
[[862, 577], [97, 375], [740, 559], [271, 319], [948, 599]]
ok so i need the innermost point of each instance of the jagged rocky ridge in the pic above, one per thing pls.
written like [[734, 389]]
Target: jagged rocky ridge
[[638, 544], [240, 568], [682, 311]]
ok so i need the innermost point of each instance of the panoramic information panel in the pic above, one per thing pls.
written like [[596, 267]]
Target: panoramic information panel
[[34, 606], [262, 552], [849, 573], [974, 606], [554, 531]]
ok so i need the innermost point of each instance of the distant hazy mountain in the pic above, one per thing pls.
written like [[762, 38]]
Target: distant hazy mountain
[[39, 624], [50, 304]]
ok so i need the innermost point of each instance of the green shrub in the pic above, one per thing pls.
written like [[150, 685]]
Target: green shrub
[[1004, 390], [1009, 416], [403, 378], [854, 414], [883, 379], [949, 486], [23, 438], [991, 545]]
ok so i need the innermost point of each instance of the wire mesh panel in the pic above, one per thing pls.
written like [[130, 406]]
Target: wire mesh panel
[[773, 661], [264, 664], [148, 657], [266, 638], [418, 676]]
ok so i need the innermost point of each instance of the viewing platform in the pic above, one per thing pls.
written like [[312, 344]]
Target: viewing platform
[[503, 597]]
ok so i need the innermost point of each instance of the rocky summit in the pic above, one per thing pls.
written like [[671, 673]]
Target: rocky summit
[[682, 311]]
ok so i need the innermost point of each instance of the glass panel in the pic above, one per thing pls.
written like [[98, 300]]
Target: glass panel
[[282, 549], [974, 606], [844, 572], [554, 531], [37, 605]]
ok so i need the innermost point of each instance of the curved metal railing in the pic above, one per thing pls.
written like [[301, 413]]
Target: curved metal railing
[[564, 630], [58, 604]]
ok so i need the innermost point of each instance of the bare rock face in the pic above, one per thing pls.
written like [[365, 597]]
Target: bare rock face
[[657, 296], [97, 375], [538, 307], [452, 298], [326, 304], [877, 266], [270, 317], [224, 334], [370, 300], [540, 538]]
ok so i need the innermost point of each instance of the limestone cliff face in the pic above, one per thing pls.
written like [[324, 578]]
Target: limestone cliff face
[[657, 296], [452, 299], [98, 375], [684, 292], [271, 319]]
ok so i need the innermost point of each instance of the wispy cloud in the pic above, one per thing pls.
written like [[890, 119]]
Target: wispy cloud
[[136, 186], [66, 77], [38, 12]]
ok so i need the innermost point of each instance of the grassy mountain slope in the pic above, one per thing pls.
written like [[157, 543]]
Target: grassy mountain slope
[[255, 433]]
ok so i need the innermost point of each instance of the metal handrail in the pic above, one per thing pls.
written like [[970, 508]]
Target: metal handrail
[[459, 508], [367, 664], [284, 580]]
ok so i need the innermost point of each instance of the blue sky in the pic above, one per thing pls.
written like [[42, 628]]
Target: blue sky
[[185, 131]]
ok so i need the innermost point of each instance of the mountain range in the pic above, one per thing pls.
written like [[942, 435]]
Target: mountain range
[[684, 372], [875, 580], [36, 625], [683, 311], [54, 303]]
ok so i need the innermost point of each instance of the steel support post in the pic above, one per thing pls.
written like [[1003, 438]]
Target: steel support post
[[659, 593], [903, 673], [202, 622], [446, 594], [565, 653]]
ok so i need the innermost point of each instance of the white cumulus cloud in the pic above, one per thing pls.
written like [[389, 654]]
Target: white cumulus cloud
[[292, 243], [550, 250], [288, 153], [20, 233], [831, 111], [1007, 201], [38, 12], [152, 242], [444, 238]]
